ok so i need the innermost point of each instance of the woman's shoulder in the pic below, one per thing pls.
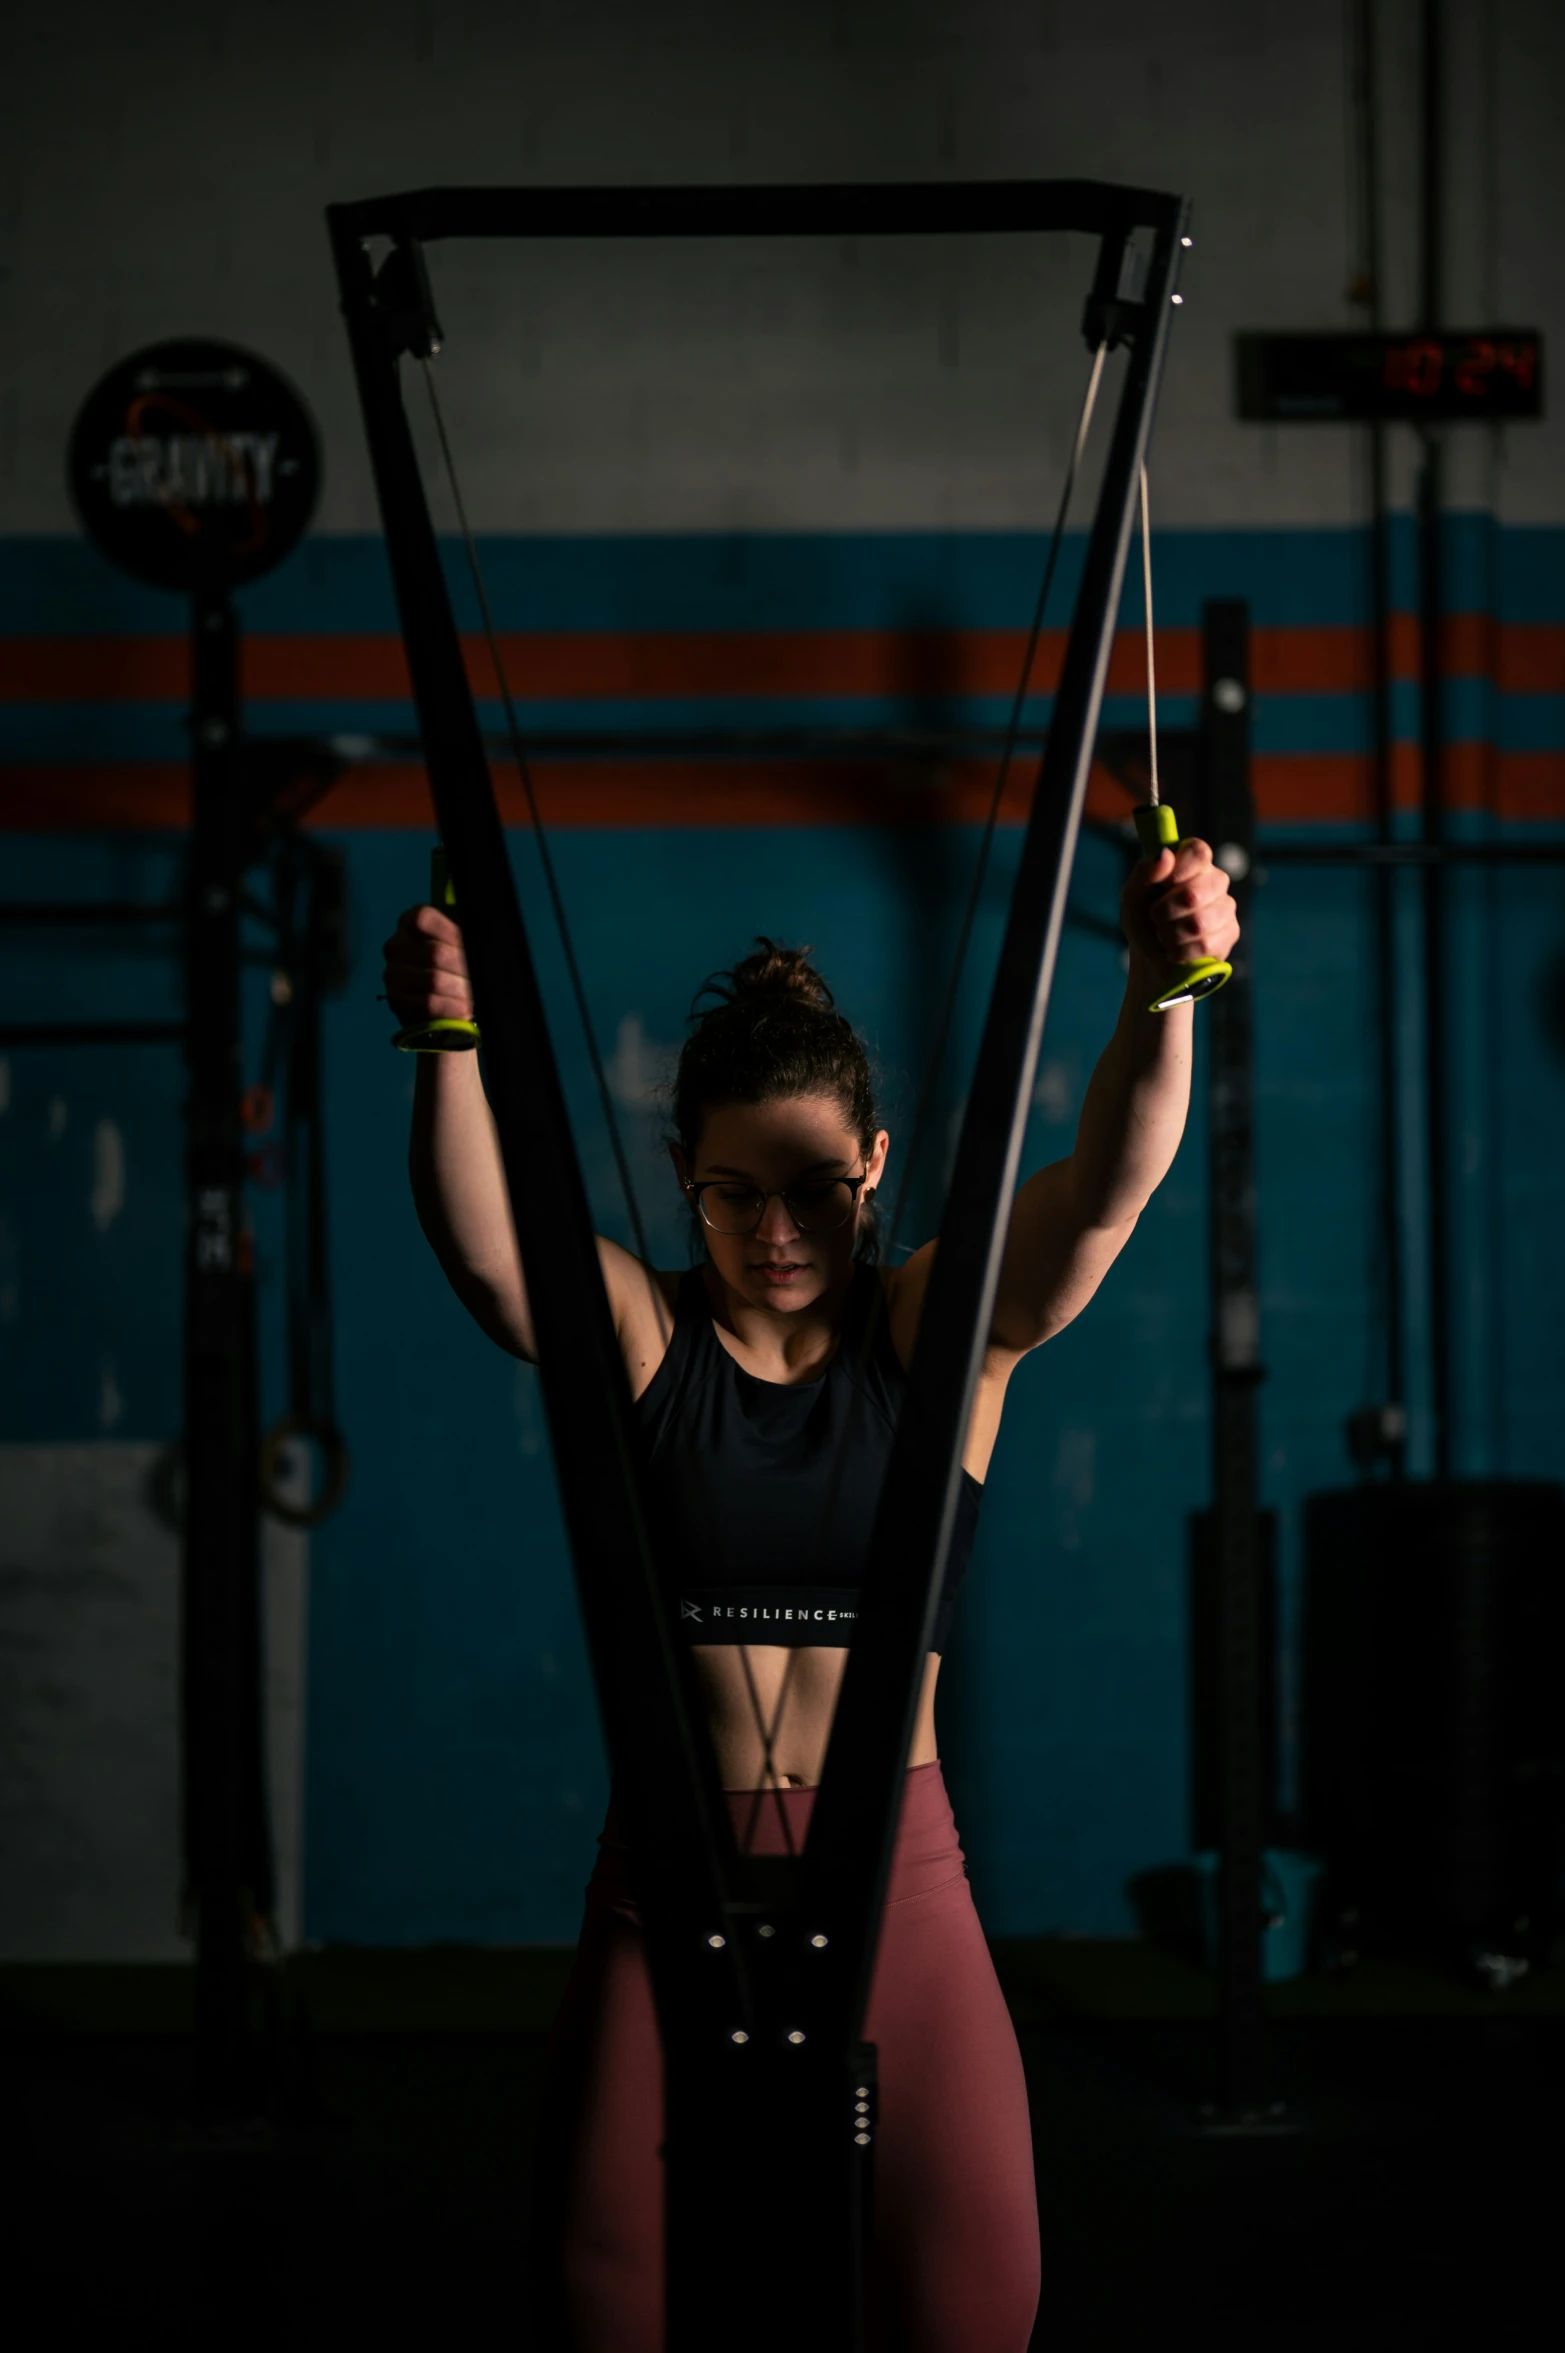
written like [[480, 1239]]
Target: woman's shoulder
[[906, 1287], [868, 1344], [902, 1299], [648, 1305]]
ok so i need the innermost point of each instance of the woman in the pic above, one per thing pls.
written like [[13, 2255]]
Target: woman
[[767, 1381]]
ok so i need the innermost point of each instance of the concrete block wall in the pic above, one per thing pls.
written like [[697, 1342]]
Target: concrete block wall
[[164, 170], [735, 485]]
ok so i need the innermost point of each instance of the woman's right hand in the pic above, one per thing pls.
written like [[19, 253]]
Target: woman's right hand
[[426, 969]]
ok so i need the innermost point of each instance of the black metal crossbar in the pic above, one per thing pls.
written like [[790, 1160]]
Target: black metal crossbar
[[920, 208], [760, 1970]]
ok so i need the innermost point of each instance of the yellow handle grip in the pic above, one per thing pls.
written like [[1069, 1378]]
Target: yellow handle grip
[[1157, 828], [446, 1035]]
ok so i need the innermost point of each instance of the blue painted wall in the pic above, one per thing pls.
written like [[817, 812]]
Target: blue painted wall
[[454, 1770]]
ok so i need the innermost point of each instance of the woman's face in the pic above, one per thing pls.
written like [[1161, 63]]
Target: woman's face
[[797, 1145]]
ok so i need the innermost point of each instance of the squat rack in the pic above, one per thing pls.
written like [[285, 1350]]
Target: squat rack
[[760, 1970], [245, 799]]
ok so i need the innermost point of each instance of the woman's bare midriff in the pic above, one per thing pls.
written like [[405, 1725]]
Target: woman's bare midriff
[[799, 1743]]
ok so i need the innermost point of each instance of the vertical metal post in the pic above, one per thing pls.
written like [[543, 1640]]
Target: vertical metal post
[[1243, 1798], [1432, 730], [1383, 883], [1388, 1276], [1435, 893], [227, 1848]]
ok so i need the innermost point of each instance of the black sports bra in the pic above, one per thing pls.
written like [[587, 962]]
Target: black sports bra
[[763, 1493]]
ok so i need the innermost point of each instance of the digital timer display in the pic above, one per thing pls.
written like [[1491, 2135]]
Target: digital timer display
[[1486, 374]]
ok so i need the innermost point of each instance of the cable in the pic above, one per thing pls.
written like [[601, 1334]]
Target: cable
[[936, 1055], [1002, 773], [546, 860], [1146, 587], [1157, 827], [768, 1731]]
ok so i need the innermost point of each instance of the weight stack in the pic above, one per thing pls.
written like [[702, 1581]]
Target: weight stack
[[1434, 1706]]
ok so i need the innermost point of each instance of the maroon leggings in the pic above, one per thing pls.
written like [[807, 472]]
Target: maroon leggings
[[954, 2265]]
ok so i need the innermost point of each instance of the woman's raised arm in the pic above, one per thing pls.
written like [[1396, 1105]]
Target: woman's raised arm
[[457, 1174], [453, 1152], [1071, 1221]]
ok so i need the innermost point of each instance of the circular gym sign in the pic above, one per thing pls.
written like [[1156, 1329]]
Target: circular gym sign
[[194, 466]]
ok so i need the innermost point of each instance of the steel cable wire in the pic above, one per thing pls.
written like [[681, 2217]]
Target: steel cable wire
[[768, 1729]]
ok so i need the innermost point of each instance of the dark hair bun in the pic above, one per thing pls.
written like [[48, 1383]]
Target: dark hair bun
[[773, 971], [773, 1032]]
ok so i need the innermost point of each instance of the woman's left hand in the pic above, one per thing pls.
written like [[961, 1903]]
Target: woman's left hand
[[1177, 908]]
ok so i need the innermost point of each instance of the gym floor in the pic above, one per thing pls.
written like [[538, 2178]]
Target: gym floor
[[1417, 2195]]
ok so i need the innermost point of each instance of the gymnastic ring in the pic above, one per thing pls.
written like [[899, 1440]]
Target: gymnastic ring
[[334, 1458]]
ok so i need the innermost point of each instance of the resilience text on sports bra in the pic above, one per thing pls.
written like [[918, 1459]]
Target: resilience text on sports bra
[[763, 1493]]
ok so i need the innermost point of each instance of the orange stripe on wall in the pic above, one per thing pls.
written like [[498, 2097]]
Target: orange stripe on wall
[[149, 797], [1530, 785], [571, 794], [1531, 661], [94, 670], [363, 668], [1289, 789], [1301, 787], [353, 668]]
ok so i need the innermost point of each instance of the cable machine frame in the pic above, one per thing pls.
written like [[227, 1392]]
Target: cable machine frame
[[760, 1969]]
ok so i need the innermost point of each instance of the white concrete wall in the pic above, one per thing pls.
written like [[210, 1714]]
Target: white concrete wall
[[90, 1864], [164, 169]]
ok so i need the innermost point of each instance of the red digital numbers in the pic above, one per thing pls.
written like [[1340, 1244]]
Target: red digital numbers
[[1478, 367], [1475, 364], [1415, 368], [1519, 360]]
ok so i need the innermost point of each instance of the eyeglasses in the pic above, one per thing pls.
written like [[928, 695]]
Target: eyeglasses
[[817, 1205]]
